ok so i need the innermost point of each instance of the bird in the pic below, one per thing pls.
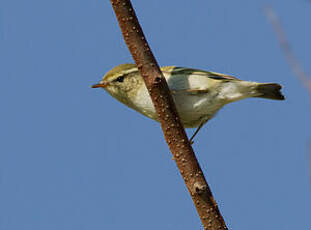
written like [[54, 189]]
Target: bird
[[198, 94]]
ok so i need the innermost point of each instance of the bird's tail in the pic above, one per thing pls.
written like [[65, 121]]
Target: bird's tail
[[269, 90]]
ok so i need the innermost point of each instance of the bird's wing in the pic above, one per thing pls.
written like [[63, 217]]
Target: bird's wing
[[174, 70], [178, 80], [194, 91], [220, 76]]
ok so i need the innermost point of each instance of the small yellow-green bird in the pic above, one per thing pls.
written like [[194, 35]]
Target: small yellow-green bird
[[198, 94]]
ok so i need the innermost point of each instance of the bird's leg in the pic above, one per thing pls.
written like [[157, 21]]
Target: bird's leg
[[196, 132]]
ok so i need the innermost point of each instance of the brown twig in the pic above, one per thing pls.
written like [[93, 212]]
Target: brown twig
[[309, 158], [173, 130], [286, 48]]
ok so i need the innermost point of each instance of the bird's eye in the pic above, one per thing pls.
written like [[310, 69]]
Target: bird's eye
[[120, 79]]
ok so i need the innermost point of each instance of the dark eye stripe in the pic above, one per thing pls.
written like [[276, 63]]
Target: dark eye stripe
[[120, 79]]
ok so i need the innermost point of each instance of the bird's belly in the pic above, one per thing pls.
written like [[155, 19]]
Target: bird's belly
[[192, 109]]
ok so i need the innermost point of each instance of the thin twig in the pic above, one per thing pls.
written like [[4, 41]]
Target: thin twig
[[286, 48], [309, 159], [294, 64], [173, 130]]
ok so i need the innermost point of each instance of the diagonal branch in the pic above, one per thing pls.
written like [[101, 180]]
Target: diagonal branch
[[173, 130], [286, 48]]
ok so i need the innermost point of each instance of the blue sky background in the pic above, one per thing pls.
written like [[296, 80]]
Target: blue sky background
[[72, 157]]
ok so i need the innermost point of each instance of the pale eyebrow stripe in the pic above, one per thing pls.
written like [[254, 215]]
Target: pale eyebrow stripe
[[131, 71]]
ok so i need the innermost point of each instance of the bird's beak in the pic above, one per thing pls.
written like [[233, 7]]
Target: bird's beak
[[99, 85]]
